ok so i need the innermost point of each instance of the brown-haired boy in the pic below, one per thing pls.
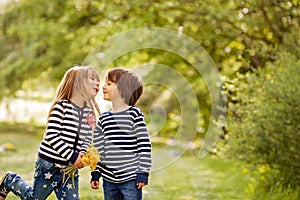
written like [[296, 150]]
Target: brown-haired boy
[[122, 139]]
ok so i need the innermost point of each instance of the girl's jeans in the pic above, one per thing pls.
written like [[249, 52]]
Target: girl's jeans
[[121, 191], [47, 178]]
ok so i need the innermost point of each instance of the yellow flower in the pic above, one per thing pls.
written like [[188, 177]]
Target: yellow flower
[[91, 158]]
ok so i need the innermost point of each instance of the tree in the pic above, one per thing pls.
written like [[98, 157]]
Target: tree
[[41, 39], [39, 36], [264, 124]]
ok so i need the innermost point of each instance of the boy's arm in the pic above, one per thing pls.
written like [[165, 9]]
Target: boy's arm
[[144, 149], [95, 175], [95, 178], [98, 143]]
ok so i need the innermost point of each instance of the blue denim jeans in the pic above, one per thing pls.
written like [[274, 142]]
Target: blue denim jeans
[[121, 191], [47, 178]]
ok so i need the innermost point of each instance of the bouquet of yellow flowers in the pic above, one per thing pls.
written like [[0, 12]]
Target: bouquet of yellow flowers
[[91, 158]]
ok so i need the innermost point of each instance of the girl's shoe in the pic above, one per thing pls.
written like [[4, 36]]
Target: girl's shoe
[[3, 190]]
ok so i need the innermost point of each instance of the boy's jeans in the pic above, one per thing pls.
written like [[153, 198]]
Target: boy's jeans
[[47, 178], [121, 191]]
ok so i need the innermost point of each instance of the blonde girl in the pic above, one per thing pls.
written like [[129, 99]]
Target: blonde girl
[[66, 138]]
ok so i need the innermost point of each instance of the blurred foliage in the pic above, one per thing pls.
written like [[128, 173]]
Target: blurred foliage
[[41, 39], [269, 184], [39, 36], [264, 122]]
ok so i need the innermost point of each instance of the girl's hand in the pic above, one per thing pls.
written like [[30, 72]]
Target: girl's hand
[[140, 185], [95, 185], [78, 163]]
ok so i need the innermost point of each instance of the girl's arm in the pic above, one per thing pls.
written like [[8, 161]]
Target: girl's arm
[[53, 134]]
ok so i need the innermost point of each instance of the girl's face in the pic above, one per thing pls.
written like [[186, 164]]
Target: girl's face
[[92, 85], [110, 91]]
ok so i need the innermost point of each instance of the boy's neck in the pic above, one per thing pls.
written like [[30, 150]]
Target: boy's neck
[[118, 106]]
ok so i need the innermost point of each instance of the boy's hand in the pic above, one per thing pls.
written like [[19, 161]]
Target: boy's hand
[[140, 185], [95, 185]]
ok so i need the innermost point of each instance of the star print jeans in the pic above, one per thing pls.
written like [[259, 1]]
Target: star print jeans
[[47, 178]]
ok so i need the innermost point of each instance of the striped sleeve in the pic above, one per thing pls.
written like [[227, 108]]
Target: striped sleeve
[[99, 144], [53, 136], [143, 143]]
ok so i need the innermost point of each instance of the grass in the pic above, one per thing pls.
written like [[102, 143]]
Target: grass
[[187, 178]]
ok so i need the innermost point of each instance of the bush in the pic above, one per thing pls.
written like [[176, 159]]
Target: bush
[[263, 122], [266, 184]]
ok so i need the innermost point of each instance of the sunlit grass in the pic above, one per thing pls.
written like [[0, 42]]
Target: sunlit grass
[[188, 178]]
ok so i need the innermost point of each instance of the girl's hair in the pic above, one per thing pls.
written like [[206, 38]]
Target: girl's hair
[[129, 84], [75, 79]]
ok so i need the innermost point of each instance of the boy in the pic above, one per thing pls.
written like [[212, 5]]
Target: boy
[[122, 139]]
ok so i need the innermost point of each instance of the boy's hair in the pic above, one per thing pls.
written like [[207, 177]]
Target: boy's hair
[[129, 84]]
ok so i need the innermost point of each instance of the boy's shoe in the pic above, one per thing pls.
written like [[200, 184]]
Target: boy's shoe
[[3, 190]]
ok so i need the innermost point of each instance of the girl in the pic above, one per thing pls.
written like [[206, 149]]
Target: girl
[[65, 140]]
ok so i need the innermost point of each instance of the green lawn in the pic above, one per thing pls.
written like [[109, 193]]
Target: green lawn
[[187, 178]]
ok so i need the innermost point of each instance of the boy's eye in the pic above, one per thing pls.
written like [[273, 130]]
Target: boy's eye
[[109, 83]]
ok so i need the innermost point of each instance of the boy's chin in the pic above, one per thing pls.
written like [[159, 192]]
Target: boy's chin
[[106, 99]]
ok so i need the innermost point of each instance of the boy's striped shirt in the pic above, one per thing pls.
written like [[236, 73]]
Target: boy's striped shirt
[[124, 145]]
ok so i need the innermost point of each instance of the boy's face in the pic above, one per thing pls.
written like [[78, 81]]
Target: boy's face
[[110, 91]]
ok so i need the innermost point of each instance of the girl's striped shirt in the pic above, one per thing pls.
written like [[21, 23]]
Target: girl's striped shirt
[[124, 145], [67, 133]]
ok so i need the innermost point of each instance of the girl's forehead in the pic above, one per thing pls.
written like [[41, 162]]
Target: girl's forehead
[[93, 74]]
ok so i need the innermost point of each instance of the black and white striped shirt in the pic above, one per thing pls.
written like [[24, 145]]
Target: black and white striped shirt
[[67, 133], [124, 145]]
